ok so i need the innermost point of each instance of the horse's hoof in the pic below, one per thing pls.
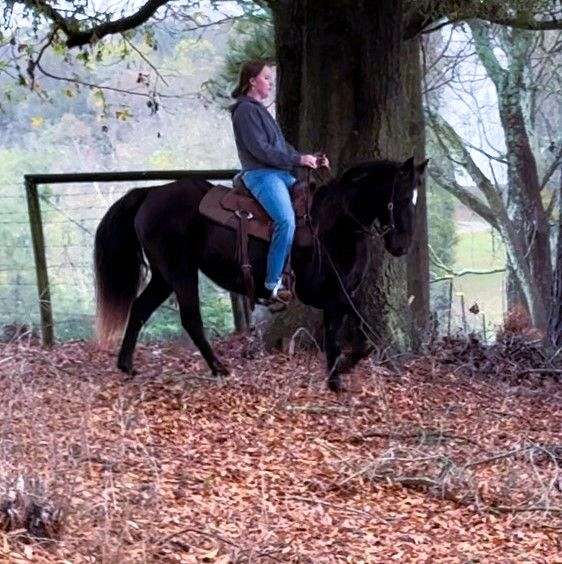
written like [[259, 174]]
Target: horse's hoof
[[220, 370], [335, 385], [127, 369]]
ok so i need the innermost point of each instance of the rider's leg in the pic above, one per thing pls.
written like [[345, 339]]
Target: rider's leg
[[271, 188]]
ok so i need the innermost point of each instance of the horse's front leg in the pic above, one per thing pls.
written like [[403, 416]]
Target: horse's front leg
[[333, 322], [361, 348]]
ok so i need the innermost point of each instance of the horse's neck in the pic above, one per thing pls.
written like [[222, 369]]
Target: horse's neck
[[338, 232], [327, 208]]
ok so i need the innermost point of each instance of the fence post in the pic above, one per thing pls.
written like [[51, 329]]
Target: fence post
[[450, 307], [241, 312], [36, 225]]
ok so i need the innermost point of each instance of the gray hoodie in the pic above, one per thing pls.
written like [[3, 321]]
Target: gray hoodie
[[259, 139]]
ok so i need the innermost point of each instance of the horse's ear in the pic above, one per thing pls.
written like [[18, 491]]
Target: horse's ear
[[408, 165], [421, 167]]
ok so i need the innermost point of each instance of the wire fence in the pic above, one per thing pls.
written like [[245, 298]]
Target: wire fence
[[474, 305], [70, 215]]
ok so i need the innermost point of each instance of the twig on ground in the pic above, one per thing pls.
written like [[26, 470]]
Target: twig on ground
[[338, 507], [317, 408], [530, 508], [202, 532], [421, 434], [496, 457]]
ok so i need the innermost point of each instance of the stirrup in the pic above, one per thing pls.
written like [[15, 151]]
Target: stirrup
[[279, 297], [282, 295]]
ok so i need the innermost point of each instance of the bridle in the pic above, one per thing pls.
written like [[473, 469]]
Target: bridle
[[377, 229], [390, 205]]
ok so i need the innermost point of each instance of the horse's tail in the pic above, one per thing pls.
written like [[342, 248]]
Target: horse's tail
[[118, 261]]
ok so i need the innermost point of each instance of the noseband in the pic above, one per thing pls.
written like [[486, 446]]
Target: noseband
[[392, 224], [384, 230]]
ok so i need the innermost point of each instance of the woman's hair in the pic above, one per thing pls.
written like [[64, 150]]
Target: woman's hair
[[248, 70]]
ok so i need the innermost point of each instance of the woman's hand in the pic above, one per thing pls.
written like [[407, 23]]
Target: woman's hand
[[309, 161], [322, 160]]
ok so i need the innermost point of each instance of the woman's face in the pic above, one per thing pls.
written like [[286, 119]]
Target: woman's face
[[261, 85]]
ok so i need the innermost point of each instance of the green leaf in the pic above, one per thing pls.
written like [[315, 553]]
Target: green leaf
[[83, 56], [123, 114]]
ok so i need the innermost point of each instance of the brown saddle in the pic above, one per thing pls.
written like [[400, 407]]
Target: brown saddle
[[237, 209], [229, 206]]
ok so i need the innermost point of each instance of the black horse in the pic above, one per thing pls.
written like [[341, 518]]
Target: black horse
[[163, 222]]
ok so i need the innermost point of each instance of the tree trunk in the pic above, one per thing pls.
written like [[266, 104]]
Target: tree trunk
[[555, 325], [341, 86], [525, 205], [530, 233], [288, 27], [515, 297], [418, 257]]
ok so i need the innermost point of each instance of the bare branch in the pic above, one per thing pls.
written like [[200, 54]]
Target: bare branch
[[146, 60], [456, 273], [431, 13], [109, 88], [485, 52], [34, 62], [529, 24], [77, 37], [43, 8], [463, 195], [454, 148], [552, 168]]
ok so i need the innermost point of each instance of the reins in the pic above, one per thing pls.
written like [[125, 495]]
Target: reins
[[380, 232]]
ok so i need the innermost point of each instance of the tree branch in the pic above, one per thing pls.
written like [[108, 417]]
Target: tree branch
[[451, 273], [485, 52], [43, 8], [530, 24], [146, 60], [77, 37], [95, 33], [454, 148], [416, 20], [552, 168], [463, 195], [429, 12], [149, 95]]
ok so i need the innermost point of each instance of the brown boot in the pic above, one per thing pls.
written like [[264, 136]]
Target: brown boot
[[279, 295], [282, 295]]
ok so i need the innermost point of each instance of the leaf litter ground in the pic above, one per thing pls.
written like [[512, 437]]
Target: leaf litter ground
[[427, 463]]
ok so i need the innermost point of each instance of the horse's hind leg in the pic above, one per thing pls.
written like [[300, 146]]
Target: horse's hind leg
[[152, 296], [187, 292]]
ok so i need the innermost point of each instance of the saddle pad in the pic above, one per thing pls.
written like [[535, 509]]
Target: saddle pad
[[221, 204]]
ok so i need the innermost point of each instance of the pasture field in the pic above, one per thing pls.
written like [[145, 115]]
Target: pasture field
[[425, 464], [478, 250]]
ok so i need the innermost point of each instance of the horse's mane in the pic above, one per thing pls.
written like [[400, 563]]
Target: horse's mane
[[329, 199], [380, 167]]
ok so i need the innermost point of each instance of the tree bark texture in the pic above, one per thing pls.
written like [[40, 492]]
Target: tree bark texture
[[418, 256], [555, 325], [344, 75]]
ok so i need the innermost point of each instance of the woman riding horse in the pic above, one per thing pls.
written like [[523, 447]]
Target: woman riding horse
[[267, 162], [161, 227]]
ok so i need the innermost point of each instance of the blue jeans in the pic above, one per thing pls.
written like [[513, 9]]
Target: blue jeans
[[270, 187]]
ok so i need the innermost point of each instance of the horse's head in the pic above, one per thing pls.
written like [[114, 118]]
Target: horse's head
[[383, 194]]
